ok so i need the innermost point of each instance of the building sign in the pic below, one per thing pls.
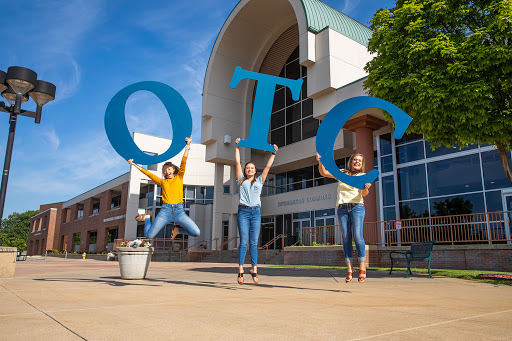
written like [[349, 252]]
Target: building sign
[[304, 200]]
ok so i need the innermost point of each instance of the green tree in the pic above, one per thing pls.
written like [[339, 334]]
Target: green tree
[[448, 64], [15, 229]]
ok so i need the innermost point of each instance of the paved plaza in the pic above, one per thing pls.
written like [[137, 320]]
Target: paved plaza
[[87, 300]]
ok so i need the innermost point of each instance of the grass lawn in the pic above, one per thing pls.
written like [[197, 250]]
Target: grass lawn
[[461, 274]]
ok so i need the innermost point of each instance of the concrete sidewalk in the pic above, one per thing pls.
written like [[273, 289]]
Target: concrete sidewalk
[[87, 299]]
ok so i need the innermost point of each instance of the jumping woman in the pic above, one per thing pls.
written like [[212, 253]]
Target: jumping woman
[[249, 217], [351, 214], [172, 196]]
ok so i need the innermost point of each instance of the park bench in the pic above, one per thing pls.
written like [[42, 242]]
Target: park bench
[[418, 252]]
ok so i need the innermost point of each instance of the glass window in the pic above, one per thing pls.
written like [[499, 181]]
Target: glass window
[[226, 189], [277, 137], [414, 209], [325, 213], [302, 215], [460, 204], [389, 213], [493, 201], [189, 192], [386, 163], [388, 190], [385, 144], [307, 108], [410, 152], [309, 127], [300, 174], [278, 100], [409, 138], [457, 175], [277, 119], [494, 175], [412, 182], [209, 192], [293, 70], [443, 150], [293, 113], [304, 90], [293, 133], [200, 193]]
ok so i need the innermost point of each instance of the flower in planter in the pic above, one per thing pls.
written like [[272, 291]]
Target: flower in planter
[[135, 243]]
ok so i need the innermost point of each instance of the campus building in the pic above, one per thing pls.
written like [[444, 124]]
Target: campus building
[[310, 40], [91, 221], [294, 39]]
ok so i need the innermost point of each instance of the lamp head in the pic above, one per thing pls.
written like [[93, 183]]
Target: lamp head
[[10, 96], [21, 79], [3, 86], [43, 93]]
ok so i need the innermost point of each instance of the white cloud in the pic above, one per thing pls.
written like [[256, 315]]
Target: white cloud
[[50, 136]]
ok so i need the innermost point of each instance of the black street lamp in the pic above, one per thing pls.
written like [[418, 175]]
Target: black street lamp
[[15, 85]]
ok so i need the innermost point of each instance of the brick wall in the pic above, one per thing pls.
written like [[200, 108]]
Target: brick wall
[[497, 257]]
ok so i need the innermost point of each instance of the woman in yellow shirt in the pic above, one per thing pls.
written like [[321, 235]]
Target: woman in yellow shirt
[[351, 214], [172, 196]]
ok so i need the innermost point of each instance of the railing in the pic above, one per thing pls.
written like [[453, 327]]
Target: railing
[[267, 245], [221, 246], [202, 247], [478, 228], [329, 234]]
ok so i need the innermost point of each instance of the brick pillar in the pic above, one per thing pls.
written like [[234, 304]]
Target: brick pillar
[[364, 126]]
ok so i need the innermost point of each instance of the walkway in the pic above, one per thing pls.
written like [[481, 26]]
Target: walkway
[[87, 299]]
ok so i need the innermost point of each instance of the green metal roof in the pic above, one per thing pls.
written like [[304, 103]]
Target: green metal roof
[[319, 16]]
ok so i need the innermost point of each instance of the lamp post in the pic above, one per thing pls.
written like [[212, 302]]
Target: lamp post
[[16, 85]]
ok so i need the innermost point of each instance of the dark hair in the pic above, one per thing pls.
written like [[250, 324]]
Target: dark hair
[[349, 166], [170, 164], [245, 176]]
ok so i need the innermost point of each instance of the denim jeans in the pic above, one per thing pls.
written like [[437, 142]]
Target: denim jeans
[[171, 213], [351, 218], [249, 226]]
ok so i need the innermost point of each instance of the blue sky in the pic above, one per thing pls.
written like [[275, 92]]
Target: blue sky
[[91, 49]]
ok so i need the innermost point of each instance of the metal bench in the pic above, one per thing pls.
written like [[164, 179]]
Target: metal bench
[[418, 252]]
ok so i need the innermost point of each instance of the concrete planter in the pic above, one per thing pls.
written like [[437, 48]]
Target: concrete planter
[[134, 261], [7, 261]]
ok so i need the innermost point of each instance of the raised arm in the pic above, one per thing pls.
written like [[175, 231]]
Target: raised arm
[[150, 175], [366, 189], [321, 168], [238, 166], [187, 147], [269, 164]]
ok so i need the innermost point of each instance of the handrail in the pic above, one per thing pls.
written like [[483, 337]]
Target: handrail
[[266, 246], [272, 241], [201, 250], [226, 242], [221, 246]]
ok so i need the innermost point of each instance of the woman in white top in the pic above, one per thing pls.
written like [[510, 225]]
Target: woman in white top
[[351, 214]]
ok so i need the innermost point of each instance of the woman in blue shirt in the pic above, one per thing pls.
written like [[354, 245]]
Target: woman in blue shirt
[[249, 217]]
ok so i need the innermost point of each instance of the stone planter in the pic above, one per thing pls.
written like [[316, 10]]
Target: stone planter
[[134, 261], [7, 261]]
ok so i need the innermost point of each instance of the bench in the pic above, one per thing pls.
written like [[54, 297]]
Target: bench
[[418, 252]]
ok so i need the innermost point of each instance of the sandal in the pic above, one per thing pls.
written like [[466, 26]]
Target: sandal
[[361, 279], [255, 278], [142, 217], [175, 232], [349, 276], [240, 275]]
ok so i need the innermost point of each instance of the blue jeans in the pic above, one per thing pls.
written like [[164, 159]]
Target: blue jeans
[[249, 226], [171, 213], [351, 218]]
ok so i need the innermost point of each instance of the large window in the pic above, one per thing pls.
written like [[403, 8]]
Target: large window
[[292, 121], [446, 181]]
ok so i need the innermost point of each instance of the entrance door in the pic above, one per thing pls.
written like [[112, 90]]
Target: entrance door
[[326, 234]]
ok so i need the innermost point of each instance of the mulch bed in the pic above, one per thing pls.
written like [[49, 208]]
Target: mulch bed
[[497, 277]]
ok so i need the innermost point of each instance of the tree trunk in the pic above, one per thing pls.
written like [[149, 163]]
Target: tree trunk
[[504, 159]]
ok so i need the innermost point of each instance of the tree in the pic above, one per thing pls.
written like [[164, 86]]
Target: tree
[[15, 229], [448, 64], [453, 206]]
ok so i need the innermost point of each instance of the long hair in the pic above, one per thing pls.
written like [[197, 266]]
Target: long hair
[[245, 175], [170, 164], [349, 166]]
